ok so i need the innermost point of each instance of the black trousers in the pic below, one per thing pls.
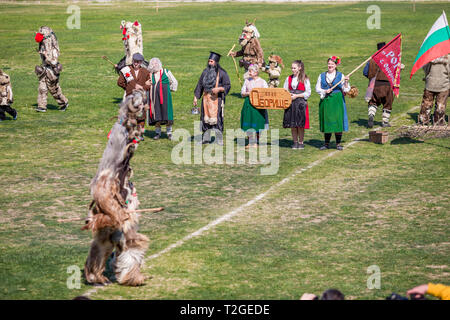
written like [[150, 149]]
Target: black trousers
[[8, 109]]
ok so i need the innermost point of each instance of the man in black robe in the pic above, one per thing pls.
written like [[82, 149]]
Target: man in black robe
[[212, 87]]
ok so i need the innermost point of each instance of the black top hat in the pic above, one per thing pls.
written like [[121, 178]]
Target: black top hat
[[380, 45], [214, 56]]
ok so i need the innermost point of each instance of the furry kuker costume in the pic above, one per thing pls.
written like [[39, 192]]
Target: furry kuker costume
[[48, 72], [132, 43], [6, 97], [112, 217], [251, 50], [274, 70]]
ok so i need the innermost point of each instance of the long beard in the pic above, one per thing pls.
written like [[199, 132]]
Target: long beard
[[209, 80]]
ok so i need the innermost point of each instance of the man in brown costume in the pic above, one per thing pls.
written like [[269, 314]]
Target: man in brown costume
[[251, 50], [382, 93], [48, 72], [135, 77], [437, 85]]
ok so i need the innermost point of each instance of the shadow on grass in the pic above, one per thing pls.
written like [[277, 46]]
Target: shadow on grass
[[364, 123], [414, 116], [405, 140], [49, 106], [287, 143], [152, 134]]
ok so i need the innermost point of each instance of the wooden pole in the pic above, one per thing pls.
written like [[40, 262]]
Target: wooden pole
[[149, 210], [106, 58], [235, 65], [354, 70]]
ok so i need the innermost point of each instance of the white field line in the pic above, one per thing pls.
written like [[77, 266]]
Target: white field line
[[236, 211]]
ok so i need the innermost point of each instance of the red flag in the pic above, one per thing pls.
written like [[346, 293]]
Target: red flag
[[389, 59]]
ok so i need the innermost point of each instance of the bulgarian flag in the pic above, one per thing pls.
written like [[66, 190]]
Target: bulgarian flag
[[435, 45]]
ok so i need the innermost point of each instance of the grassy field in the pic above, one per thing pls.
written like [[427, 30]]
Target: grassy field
[[369, 205]]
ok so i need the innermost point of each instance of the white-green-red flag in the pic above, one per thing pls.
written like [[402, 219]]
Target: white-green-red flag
[[435, 45], [389, 59]]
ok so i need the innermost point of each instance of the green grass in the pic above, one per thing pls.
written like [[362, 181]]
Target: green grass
[[369, 205]]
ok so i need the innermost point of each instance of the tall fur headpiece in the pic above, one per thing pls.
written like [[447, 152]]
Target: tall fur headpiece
[[250, 26], [132, 39]]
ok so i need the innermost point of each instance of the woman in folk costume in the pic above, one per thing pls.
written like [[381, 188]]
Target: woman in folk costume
[[296, 116], [332, 108], [252, 119], [161, 107]]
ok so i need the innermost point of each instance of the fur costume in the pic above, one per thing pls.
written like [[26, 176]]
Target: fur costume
[[6, 97], [132, 42], [274, 70], [112, 217], [251, 51], [437, 88], [48, 72]]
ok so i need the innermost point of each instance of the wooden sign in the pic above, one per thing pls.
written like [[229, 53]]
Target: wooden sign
[[270, 98]]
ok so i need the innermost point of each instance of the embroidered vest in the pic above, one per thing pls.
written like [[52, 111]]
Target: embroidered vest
[[300, 85], [325, 85]]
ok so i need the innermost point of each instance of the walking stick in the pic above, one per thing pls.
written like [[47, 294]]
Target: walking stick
[[235, 65], [106, 58]]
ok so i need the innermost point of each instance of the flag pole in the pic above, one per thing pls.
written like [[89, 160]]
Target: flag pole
[[354, 70], [397, 73]]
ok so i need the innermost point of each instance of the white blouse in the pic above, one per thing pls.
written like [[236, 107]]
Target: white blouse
[[330, 77], [294, 85], [251, 83]]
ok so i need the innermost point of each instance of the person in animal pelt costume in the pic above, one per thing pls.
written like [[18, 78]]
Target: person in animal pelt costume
[[6, 97], [49, 71], [112, 217], [251, 51], [132, 42], [437, 88], [274, 70]]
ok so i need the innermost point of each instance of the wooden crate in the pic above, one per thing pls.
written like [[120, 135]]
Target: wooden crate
[[378, 136]]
